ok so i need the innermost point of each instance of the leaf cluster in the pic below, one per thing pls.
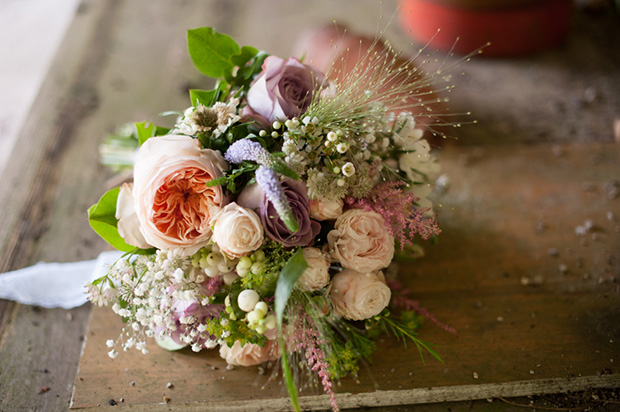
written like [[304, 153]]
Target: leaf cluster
[[102, 218], [218, 56], [404, 329]]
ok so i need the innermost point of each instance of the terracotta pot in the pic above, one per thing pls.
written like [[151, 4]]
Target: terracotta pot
[[513, 27]]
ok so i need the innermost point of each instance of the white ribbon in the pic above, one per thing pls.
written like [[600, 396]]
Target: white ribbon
[[55, 285]]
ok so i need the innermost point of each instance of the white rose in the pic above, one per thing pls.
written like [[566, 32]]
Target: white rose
[[316, 276], [173, 204], [250, 354], [324, 209], [237, 231], [359, 296], [128, 223], [361, 242]]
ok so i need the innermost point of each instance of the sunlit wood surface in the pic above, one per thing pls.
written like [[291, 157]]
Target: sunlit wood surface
[[536, 305]]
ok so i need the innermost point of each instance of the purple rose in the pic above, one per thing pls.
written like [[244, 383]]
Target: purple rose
[[296, 193], [283, 90]]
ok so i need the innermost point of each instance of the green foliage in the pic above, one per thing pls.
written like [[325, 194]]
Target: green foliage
[[145, 131], [238, 331], [236, 179], [235, 290], [404, 330], [350, 345], [219, 56], [102, 218], [203, 97], [291, 272], [119, 148], [212, 52], [273, 256]]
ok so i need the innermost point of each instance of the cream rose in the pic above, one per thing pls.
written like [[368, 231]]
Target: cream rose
[[128, 223], [324, 209], [316, 276], [359, 296], [360, 241], [237, 231], [173, 204], [250, 354]]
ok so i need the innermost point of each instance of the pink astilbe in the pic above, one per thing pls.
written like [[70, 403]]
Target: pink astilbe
[[402, 218], [402, 300], [308, 340]]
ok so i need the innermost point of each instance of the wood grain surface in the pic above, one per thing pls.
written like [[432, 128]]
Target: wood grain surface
[[127, 61], [525, 326]]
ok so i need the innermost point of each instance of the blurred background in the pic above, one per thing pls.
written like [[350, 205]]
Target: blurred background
[[567, 43]]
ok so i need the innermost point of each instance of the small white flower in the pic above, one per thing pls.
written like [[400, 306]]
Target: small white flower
[[109, 343], [113, 354], [348, 169], [342, 148]]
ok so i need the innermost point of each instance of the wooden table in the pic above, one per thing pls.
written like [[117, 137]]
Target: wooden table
[[536, 305]]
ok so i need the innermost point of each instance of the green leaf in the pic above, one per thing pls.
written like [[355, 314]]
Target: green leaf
[[294, 268], [235, 290], [247, 53], [282, 168], [288, 376], [161, 131], [211, 51], [145, 131], [204, 97], [103, 221], [218, 181]]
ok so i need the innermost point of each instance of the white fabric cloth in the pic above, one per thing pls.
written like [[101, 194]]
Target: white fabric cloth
[[55, 285]]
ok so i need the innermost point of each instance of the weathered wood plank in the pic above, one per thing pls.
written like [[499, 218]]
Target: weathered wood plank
[[126, 61], [559, 332]]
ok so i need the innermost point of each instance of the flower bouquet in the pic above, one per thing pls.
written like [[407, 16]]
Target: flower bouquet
[[264, 221]]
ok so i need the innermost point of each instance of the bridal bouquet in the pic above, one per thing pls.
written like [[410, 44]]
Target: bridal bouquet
[[264, 221]]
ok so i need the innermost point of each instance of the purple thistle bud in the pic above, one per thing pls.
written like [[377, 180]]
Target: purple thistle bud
[[246, 149], [270, 184]]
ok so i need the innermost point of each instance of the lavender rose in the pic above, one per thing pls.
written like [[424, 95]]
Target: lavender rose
[[253, 197], [284, 89]]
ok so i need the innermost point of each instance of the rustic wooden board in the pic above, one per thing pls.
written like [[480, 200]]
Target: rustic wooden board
[[127, 61], [525, 327]]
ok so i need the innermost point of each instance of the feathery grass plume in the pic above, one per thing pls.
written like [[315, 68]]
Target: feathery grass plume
[[383, 80], [402, 219], [309, 346]]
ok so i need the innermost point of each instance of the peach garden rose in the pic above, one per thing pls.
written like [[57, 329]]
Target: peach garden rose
[[325, 209], [172, 202], [360, 241], [316, 276], [359, 296], [250, 354]]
